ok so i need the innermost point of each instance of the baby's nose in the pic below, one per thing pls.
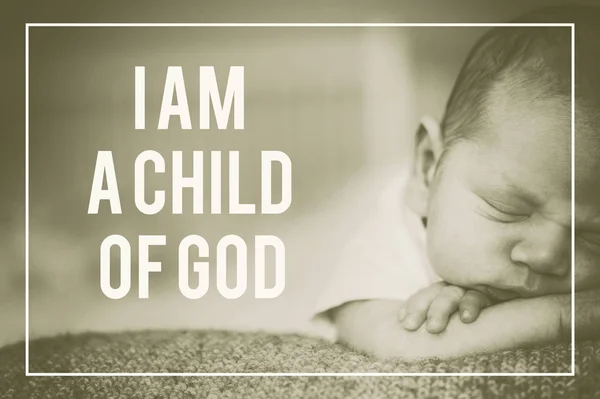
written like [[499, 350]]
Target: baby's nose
[[547, 253]]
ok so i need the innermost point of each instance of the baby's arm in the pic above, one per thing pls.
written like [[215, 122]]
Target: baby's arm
[[587, 315], [372, 326]]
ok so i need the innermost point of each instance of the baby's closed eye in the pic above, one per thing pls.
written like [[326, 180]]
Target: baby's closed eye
[[503, 213]]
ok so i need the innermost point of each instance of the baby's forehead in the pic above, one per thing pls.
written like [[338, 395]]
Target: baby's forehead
[[523, 130], [522, 99], [517, 99], [532, 144]]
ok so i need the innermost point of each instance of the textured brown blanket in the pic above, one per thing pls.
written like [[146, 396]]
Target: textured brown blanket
[[215, 351]]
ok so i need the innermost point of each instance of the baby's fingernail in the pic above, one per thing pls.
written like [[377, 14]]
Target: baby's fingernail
[[402, 313], [411, 322], [466, 314], [433, 324]]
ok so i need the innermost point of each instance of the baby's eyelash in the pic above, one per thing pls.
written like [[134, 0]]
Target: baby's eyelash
[[505, 215]]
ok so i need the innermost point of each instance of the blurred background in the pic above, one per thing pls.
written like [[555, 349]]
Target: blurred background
[[342, 103]]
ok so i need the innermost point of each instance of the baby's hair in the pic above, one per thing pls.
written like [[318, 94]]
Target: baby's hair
[[536, 58]]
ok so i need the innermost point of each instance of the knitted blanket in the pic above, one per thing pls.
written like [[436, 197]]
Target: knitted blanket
[[217, 351]]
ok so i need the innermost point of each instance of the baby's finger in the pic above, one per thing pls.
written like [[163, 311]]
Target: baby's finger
[[442, 307], [471, 305], [416, 307], [418, 299], [402, 312]]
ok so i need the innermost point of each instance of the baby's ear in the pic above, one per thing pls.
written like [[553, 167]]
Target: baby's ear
[[427, 151]]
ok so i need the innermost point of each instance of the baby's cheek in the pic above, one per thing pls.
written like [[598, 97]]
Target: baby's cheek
[[462, 249], [449, 251]]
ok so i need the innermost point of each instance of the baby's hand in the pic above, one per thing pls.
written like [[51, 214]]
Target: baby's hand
[[437, 303]]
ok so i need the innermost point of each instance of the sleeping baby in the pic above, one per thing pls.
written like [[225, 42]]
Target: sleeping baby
[[477, 254]]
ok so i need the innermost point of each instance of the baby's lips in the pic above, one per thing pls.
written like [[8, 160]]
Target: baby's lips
[[525, 282], [539, 284]]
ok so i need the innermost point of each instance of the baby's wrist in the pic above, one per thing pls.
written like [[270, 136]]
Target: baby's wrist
[[564, 304]]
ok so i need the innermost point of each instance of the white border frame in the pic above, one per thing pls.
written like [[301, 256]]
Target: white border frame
[[296, 25]]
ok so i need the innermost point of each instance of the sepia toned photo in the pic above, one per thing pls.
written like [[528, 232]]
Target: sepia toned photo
[[388, 199]]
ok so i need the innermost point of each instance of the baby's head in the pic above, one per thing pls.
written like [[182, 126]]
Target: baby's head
[[493, 180]]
